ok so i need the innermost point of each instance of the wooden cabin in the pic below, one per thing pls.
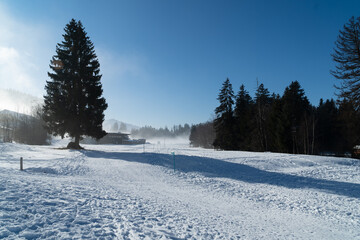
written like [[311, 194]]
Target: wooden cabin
[[115, 138]]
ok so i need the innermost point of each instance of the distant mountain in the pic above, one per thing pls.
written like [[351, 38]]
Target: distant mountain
[[18, 101], [113, 125], [8, 118], [13, 114]]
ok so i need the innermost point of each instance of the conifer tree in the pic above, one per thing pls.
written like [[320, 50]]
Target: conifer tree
[[347, 56], [73, 100], [296, 108], [202, 135], [349, 126], [224, 122], [244, 119], [275, 125], [327, 131], [263, 104]]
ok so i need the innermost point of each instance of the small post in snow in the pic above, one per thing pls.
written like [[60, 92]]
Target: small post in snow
[[21, 164], [173, 155]]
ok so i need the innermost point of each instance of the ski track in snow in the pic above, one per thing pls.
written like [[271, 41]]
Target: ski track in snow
[[122, 192]]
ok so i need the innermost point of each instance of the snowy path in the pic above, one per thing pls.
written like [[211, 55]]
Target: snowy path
[[119, 192]]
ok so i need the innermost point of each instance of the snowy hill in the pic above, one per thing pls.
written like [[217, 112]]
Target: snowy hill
[[6, 112], [112, 125], [7, 118], [18, 101], [128, 192]]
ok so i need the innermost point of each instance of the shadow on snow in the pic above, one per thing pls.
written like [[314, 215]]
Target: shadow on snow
[[217, 168]]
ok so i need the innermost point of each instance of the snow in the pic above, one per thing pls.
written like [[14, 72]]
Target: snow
[[124, 192]]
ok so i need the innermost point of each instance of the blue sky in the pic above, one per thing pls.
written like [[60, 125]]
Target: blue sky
[[163, 62]]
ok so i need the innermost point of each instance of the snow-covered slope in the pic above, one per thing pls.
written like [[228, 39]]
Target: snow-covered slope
[[18, 101], [132, 192]]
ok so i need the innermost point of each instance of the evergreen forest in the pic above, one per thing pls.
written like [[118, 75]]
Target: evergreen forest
[[286, 123]]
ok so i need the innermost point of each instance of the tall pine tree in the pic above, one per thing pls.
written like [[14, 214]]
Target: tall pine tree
[[263, 104], [73, 100], [296, 108], [327, 131], [244, 123], [224, 122], [349, 126], [275, 125], [347, 56]]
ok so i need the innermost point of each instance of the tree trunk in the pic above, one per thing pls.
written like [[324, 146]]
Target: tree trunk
[[313, 140], [306, 136], [76, 144], [77, 140]]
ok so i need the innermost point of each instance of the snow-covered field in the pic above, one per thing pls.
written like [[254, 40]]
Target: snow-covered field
[[124, 192]]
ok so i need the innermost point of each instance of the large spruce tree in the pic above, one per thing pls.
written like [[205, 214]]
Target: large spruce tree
[[348, 122], [327, 131], [263, 106], [224, 122], [276, 125], [347, 56], [296, 108], [244, 123], [73, 100]]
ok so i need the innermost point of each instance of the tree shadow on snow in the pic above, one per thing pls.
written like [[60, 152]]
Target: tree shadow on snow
[[217, 168]]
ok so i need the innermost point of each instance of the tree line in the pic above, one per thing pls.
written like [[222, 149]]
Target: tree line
[[202, 135], [148, 132], [287, 123], [21, 128]]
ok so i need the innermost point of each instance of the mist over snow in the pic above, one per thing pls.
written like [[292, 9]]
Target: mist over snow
[[18, 101], [165, 141], [113, 125]]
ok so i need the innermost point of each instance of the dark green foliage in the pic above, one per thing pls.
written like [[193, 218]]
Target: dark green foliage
[[244, 122], [347, 56], [30, 129], [296, 109], [287, 123], [224, 121], [349, 126], [262, 112], [202, 135], [327, 130], [73, 100], [275, 125], [22, 128]]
